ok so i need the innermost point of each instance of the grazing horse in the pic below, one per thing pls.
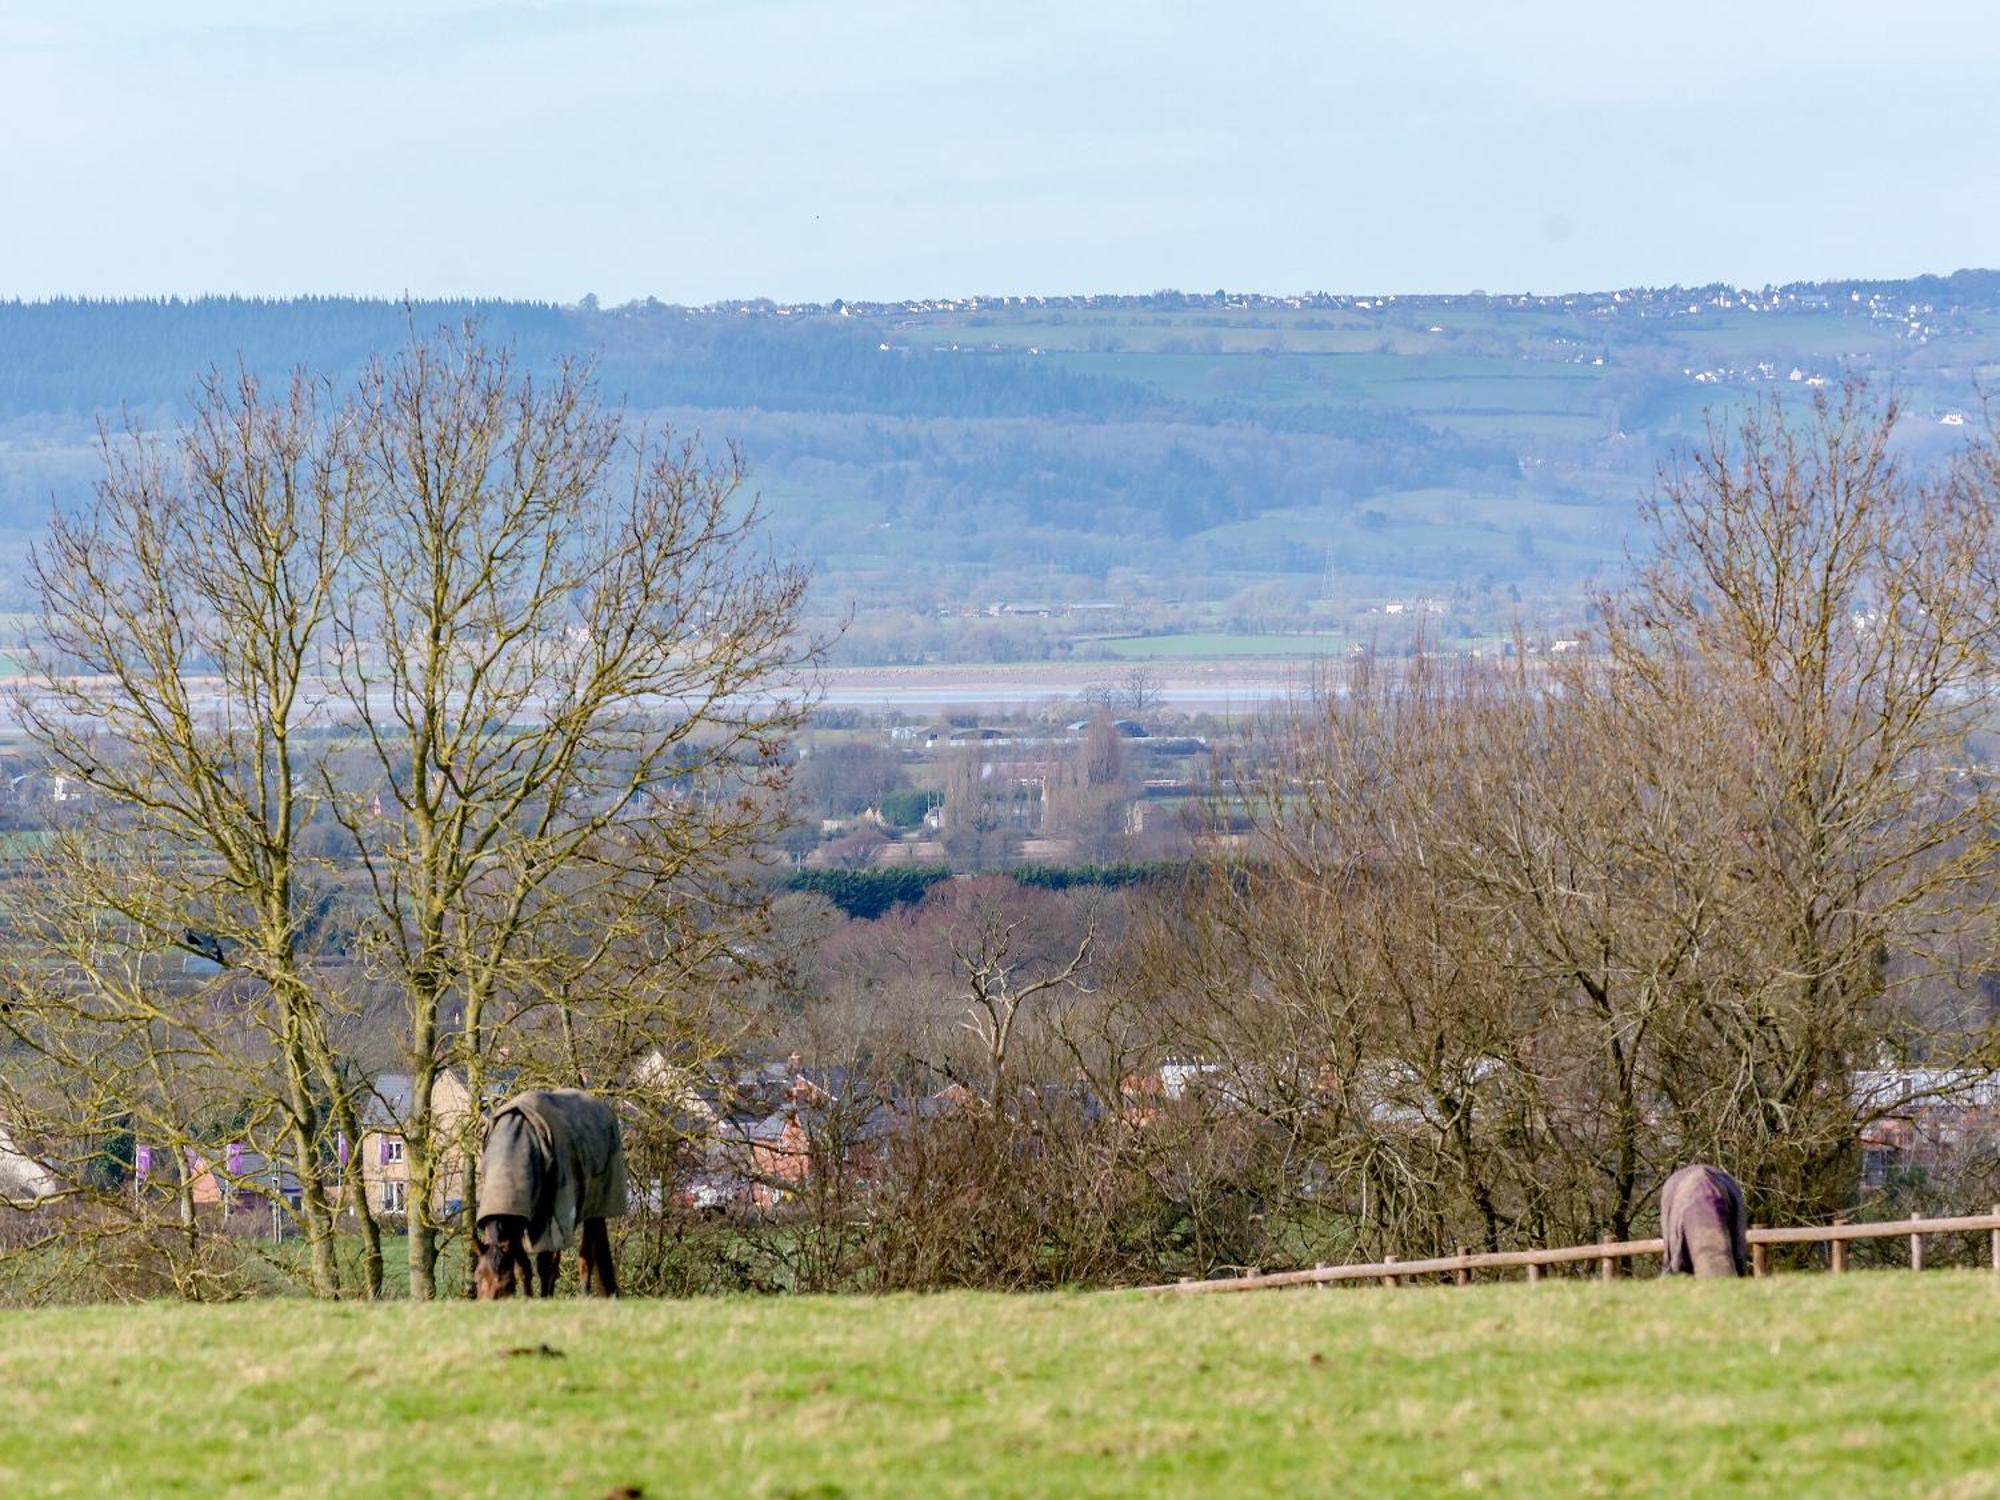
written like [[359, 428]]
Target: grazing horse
[[1704, 1222], [551, 1173]]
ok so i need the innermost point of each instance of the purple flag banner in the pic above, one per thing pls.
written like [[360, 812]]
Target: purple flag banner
[[340, 1147], [233, 1158], [142, 1162]]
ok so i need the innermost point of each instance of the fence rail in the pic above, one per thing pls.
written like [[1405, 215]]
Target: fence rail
[[1607, 1253]]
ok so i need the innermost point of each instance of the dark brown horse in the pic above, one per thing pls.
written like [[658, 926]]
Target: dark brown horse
[[552, 1171], [505, 1262]]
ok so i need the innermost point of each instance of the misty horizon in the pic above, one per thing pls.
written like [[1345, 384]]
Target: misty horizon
[[880, 148]]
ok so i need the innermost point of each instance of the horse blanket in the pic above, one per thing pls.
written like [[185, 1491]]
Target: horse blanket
[[1705, 1223], [554, 1157]]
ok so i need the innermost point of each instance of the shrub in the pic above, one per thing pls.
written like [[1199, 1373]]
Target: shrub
[[867, 894]]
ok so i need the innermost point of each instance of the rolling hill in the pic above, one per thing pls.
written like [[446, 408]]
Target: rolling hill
[[1193, 460]]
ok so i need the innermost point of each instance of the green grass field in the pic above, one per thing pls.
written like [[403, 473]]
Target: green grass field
[[1877, 1383], [1218, 645]]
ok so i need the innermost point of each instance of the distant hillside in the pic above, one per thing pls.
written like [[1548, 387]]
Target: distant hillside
[[937, 454]]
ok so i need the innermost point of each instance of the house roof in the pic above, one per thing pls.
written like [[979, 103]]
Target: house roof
[[871, 1123], [387, 1103], [1886, 1090], [388, 1100]]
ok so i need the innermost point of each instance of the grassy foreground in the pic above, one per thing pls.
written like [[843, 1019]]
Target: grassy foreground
[[1880, 1384]]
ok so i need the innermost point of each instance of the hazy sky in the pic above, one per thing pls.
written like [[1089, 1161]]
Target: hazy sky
[[697, 149]]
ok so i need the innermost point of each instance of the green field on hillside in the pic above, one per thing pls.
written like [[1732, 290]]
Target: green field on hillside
[[1219, 645], [1877, 1383]]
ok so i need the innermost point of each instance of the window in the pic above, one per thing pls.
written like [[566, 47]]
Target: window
[[392, 1148], [395, 1197]]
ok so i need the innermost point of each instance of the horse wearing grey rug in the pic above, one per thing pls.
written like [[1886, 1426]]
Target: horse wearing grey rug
[[1705, 1223], [551, 1173]]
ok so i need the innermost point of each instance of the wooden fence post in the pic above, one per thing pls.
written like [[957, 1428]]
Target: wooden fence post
[[1916, 1246], [1462, 1275], [1996, 1239], [1390, 1280], [1839, 1246], [1607, 1265], [1534, 1271], [1760, 1261]]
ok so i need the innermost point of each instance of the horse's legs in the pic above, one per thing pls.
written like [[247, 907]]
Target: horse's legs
[[548, 1263], [597, 1265], [504, 1257]]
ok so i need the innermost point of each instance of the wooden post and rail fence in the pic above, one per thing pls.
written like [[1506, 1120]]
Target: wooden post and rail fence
[[1606, 1253]]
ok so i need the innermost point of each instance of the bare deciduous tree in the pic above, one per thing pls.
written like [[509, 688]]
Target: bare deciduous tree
[[1823, 615], [1508, 944], [526, 665], [173, 681], [573, 675]]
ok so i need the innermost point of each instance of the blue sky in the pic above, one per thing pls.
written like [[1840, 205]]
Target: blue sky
[[699, 149]]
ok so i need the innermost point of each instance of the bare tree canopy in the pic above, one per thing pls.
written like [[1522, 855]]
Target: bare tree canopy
[[460, 652], [1510, 943]]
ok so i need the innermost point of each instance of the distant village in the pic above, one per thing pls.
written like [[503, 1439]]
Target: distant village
[[1911, 302]]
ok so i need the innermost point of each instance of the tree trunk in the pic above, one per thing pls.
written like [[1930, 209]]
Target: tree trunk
[[419, 1152], [354, 1189], [475, 1088], [313, 1211]]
